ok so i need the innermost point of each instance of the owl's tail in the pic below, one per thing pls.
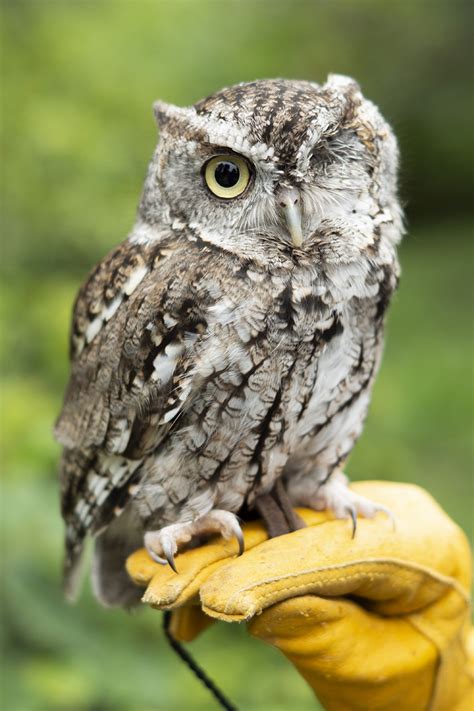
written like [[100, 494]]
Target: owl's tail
[[110, 581], [72, 567]]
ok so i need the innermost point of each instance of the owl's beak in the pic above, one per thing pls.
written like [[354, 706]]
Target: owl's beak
[[289, 200]]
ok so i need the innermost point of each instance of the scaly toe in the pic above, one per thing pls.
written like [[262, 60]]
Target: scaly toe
[[163, 545], [159, 544], [228, 525], [151, 541], [336, 496], [369, 509]]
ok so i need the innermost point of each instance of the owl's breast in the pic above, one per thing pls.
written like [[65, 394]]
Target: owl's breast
[[275, 365], [257, 364]]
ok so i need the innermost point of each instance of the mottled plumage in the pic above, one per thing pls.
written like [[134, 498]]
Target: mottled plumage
[[212, 353]]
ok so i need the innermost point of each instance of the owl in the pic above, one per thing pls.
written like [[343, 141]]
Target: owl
[[223, 355]]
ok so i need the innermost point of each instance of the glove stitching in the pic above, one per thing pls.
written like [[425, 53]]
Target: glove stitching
[[403, 569]]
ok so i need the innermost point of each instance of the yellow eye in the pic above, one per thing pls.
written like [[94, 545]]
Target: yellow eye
[[227, 176]]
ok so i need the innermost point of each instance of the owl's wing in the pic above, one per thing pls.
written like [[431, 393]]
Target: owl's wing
[[131, 319], [134, 321]]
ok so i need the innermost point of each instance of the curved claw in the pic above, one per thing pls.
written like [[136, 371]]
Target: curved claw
[[353, 514], [169, 554], [234, 529], [240, 539]]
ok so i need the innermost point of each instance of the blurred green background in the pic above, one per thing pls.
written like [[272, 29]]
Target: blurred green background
[[78, 80]]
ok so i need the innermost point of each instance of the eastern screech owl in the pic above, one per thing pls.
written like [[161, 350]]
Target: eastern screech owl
[[230, 344]]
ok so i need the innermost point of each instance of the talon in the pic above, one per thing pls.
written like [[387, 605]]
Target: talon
[[237, 531], [352, 513], [240, 539], [169, 554]]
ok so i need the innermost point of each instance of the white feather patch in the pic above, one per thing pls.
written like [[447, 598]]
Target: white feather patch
[[170, 414], [169, 321], [112, 308], [134, 280], [94, 328], [121, 438], [163, 368], [96, 483]]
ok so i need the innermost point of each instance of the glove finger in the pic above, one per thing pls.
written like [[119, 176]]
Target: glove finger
[[398, 571], [188, 622], [167, 590], [334, 645]]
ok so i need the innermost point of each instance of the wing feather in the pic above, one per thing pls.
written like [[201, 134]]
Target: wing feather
[[133, 322]]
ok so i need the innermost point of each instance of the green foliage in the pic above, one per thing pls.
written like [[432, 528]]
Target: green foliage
[[78, 83]]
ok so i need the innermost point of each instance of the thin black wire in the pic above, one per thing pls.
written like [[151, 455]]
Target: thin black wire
[[194, 666]]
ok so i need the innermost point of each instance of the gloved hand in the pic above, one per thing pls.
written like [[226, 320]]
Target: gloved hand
[[380, 621]]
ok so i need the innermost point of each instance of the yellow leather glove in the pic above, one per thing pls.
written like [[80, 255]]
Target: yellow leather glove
[[380, 621]]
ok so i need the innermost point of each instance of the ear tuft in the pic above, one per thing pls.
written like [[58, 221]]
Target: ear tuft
[[341, 81], [164, 113]]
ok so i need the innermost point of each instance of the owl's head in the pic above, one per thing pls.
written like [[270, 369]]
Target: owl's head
[[275, 163]]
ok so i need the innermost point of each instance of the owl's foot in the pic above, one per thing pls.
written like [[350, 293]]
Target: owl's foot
[[336, 496], [162, 545]]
